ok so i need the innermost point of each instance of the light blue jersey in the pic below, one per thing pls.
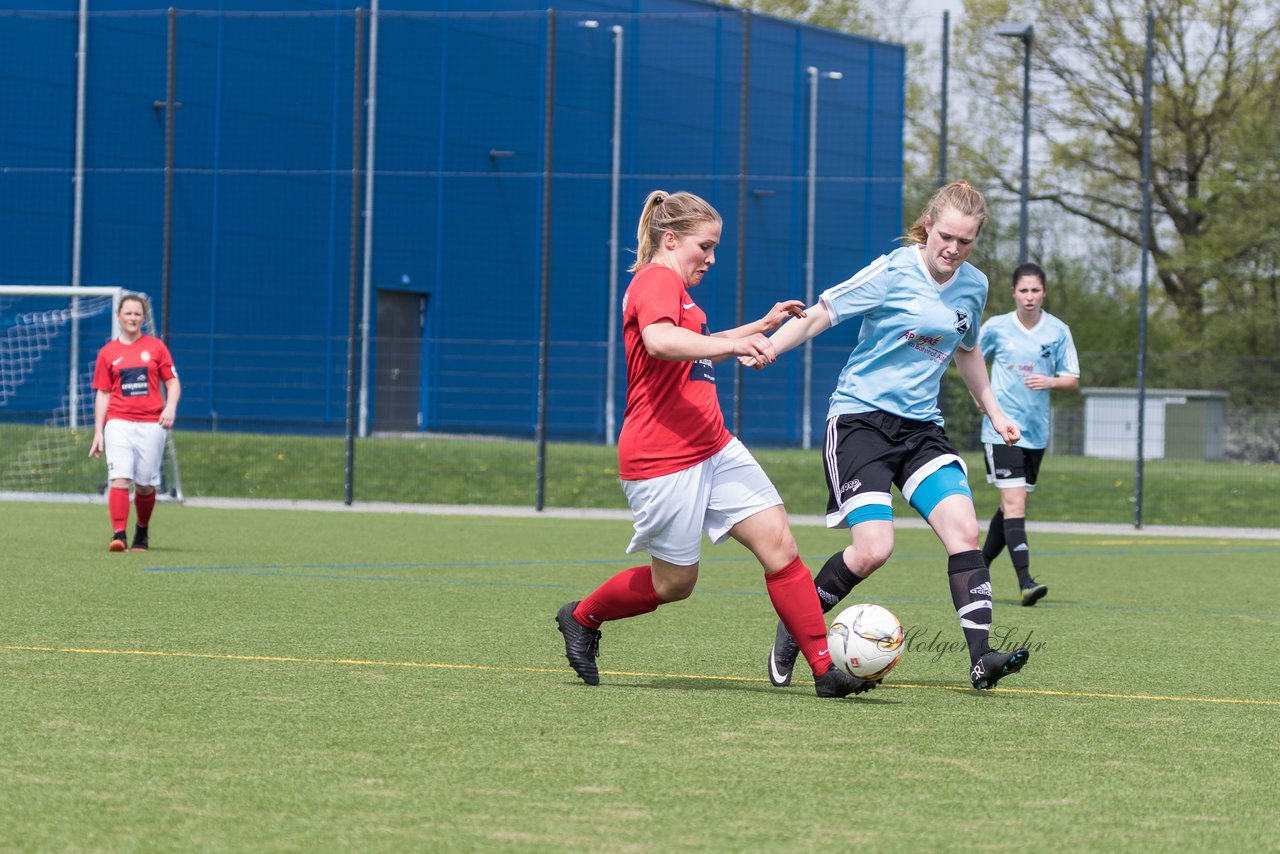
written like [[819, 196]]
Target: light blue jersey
[[911, 327], [1015, 352]]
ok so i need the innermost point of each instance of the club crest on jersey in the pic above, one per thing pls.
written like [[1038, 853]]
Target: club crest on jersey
[[962, 322]]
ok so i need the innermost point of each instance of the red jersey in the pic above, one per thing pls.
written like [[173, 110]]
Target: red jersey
[[673, 419], [133, 373]]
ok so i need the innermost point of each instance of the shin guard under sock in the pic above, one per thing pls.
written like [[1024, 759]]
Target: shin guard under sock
[[1015, 534], [971, 595], [143, 505], [995, 541], [834, 581], [630, 593], [796, 600], [118, 508]]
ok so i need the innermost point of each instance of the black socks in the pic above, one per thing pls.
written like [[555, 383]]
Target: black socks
[[995, 538], [834, 581], [1015, 535], [971, 594]]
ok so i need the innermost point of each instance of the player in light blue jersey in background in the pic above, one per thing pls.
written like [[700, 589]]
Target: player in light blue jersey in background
[[1031, 353], [920, 307]]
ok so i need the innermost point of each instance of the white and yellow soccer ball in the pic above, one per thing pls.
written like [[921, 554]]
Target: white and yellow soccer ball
[[865, 641]]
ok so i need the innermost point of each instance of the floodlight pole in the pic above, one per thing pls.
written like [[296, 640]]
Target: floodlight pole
[[1025, 32], [366, 277], [615, 173], [744, 152], [77, 217], [806, 416]]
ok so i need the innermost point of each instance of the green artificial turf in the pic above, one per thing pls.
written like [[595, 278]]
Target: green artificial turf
[[476, 470], [288, 680]]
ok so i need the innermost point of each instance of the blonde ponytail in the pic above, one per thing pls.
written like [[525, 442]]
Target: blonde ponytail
[[680, 213]]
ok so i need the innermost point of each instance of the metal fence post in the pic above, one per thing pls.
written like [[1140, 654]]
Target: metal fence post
[[544, 309], [353, 257]]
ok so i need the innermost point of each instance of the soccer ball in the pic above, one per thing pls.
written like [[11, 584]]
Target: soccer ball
[[865, 641]]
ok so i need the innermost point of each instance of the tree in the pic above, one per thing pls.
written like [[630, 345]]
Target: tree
[[1216, 86], [849, 16]]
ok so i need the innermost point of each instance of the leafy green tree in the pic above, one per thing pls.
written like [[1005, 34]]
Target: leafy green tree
[[848, 16], [1214, 313], [1216, 85]]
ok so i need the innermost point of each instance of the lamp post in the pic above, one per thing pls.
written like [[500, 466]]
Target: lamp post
[[1026, 32], [806, 415], [615, 173]]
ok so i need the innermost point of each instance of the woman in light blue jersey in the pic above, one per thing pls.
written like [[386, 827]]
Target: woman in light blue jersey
[[1031, 353], [920, 307]]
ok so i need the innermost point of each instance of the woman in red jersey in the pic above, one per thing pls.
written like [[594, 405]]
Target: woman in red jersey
[[684, 473], [131, 417]]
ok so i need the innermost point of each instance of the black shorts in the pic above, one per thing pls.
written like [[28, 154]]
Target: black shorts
[[864, 454], [1009, 466]]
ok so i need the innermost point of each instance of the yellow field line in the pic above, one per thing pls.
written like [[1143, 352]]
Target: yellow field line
[[223, 656]]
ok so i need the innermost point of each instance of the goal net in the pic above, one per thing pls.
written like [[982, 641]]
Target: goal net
[[49, 342]]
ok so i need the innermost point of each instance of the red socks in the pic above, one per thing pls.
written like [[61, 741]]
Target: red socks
[[144, 504], [796, 601], [628, 594], [118, 508]]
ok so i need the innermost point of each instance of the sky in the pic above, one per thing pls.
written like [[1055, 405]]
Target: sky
[[925, 18]]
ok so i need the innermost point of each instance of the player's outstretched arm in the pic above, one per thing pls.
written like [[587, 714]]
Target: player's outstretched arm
[[799, 329], [775, 317], [666, 341]]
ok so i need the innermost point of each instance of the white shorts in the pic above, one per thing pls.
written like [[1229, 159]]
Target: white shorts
[[671, 512], [135, 450]]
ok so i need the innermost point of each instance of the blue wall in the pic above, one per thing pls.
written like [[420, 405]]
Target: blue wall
[[262, 203]]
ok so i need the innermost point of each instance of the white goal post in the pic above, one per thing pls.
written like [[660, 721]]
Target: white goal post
[[49, 341], [74, 293]]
